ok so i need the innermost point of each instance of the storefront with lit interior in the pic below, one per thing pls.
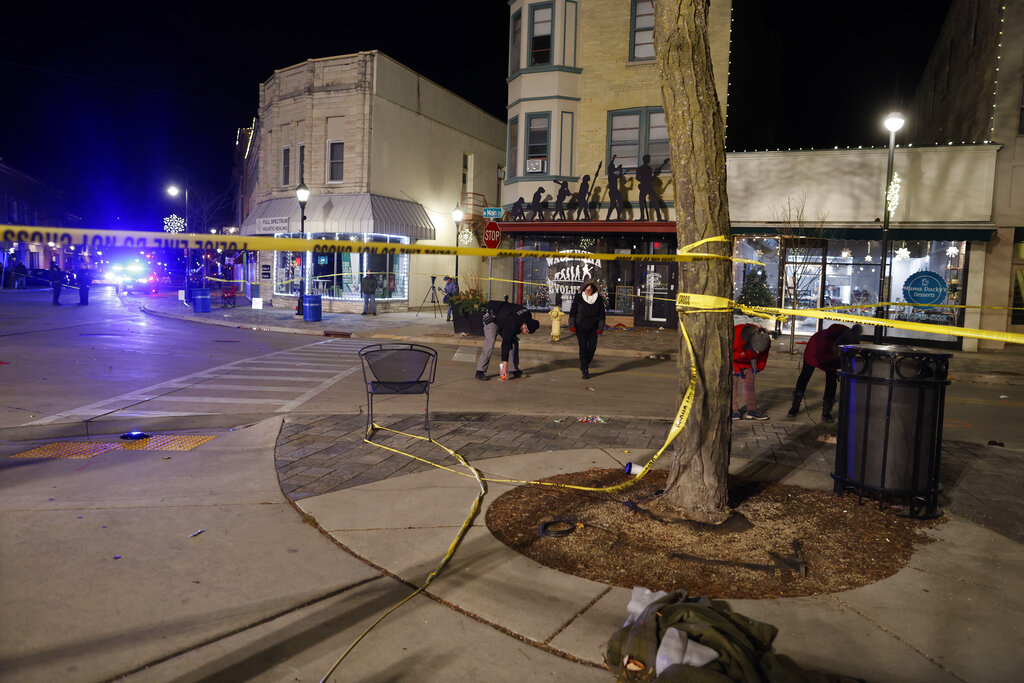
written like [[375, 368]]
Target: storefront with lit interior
[[336, 277]]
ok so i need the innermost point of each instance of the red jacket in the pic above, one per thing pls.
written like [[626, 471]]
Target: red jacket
[[821, 351], [743, 357]]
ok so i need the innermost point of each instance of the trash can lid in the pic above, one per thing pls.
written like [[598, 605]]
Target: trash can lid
[[897, 350]]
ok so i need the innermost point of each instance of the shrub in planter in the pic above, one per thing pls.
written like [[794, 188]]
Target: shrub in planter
[[468, 311]]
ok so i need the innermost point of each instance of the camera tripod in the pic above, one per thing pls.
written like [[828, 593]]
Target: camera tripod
[[434, 300]]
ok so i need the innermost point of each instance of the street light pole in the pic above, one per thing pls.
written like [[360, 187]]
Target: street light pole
[[302, 194], [893, 122], [173, 191], [457, 216]]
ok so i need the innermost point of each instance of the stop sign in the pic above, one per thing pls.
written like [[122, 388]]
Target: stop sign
[[492, 235]]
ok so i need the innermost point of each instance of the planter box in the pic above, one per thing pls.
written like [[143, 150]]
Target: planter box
[[473, 325]]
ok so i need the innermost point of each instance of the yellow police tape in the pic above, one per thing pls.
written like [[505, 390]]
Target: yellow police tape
[[82, 238], [708, 303], [677, 426]]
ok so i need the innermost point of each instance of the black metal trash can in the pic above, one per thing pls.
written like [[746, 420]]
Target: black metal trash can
[[889, 438], [200, 300], [311, 308]]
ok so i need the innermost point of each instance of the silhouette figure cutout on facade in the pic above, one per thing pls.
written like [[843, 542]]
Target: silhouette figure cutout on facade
[[517, 210], [563, 193], [645, 176], [583, 195], [537, 205], [615, 176]]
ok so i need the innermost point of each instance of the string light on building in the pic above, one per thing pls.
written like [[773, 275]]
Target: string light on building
[[892, 195], [903, 254], [174, 224], [953, 251]]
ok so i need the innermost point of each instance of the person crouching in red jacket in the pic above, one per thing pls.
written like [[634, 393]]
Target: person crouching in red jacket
[[750, 347]]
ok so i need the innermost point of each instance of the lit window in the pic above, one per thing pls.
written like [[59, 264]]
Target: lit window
[[642, 44], [537, 129], [540, 35], [336, 162]]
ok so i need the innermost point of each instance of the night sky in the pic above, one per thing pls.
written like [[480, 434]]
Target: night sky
[[105, 104]]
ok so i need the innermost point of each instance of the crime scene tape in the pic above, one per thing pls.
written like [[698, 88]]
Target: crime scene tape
[[708, 303], [99, 239], [678, 423]]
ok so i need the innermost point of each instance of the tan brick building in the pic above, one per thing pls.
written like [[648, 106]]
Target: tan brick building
[[386, 154]]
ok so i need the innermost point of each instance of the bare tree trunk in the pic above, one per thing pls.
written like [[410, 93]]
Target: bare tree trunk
[[698, 479]]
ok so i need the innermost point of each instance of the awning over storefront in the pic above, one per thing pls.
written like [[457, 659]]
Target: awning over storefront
[[342, 213], [941, 232]]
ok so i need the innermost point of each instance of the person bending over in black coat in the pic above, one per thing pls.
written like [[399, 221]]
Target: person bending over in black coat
[[586, 319], [508, 321]]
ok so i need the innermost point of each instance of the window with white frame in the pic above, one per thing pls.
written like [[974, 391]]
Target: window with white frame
[[540, 34], [641, 45], [286, 163], [538, 128], [335, 161], [632, 133]]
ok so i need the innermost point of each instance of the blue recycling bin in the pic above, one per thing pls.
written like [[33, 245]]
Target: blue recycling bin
[[311, 308], [200, 300]]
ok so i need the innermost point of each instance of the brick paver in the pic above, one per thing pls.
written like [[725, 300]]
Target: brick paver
[[979, 482]]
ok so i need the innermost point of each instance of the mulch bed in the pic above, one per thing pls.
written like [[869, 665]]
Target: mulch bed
[[620, 539]]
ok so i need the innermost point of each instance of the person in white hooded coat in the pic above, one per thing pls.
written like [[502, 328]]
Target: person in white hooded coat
[[586, 319]]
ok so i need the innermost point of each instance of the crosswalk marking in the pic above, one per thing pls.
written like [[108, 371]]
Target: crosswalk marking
[[320, 365]]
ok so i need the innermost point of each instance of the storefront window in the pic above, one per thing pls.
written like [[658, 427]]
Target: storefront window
[[338, 276], [543, 280], [911, 261]]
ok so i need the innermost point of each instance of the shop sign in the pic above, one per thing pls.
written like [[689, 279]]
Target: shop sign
[[567, 274], [265, 271], [925, 287], [271, 225]]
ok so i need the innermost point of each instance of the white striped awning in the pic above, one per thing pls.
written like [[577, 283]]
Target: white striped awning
[[342, 213]]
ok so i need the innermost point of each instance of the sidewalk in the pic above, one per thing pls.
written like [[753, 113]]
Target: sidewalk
[[992, 367]]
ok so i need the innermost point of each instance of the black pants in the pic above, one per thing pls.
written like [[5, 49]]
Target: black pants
[[56, 293], [83, 295], [830, 382], [588, 346]]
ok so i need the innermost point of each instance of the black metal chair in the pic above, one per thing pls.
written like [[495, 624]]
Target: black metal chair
[[397, 368]]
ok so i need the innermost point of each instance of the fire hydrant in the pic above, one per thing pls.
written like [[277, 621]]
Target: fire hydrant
[[556, 320]]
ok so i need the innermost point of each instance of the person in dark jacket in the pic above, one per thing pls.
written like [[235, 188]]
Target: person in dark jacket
[[750, 346], [84, 282], [451, 288], [56, 281], [822, 352], [368, 288], [586, 319], [508, 321]]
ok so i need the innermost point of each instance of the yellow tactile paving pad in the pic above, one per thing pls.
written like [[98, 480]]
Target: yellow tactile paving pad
[[87, 449], [166, 442], [67, 449]]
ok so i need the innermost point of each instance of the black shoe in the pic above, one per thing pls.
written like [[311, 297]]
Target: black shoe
[[364, 313], [481, 376], [586, 375], [374, 313], [517, 374]]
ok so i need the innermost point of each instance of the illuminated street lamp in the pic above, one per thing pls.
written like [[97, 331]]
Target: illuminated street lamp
[[302, 194], [893, 122]]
